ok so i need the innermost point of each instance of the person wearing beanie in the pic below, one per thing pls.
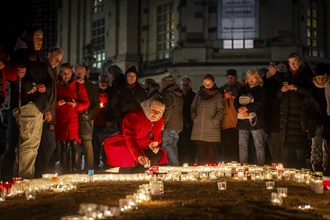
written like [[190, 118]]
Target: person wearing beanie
[[316, 119], [173, 118], [131, 69], [206, 113], [231, 72], [229, 133], [133, 93]]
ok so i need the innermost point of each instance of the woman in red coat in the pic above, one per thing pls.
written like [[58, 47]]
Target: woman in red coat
[[136, 146], [71, 99]]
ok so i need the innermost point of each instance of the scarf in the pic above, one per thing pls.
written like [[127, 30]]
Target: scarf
[[294, 72], [208, 93], [326, 87]]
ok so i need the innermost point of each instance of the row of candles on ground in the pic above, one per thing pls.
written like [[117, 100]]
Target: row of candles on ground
[[276, 197], [168, 173], [145, 192]]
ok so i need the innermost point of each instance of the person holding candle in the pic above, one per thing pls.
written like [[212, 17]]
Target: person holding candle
[[72, 99], [136, 145], [249, 103]]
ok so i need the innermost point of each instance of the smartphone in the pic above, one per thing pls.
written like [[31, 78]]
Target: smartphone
[[272, 63]]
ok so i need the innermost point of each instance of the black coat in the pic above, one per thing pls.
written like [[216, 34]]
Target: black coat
[[314, 113], [291, 131], [257, 106], [36, 73], [187, 100]]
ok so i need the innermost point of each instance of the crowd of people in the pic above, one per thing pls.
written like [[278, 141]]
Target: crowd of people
[[275, 114]]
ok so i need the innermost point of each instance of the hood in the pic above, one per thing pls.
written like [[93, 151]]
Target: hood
[[175, 89]]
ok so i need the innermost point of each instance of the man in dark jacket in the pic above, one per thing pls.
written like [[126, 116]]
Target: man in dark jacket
[[87, 116], [47, 143], [229, 132], [173, 118], [186, 147]]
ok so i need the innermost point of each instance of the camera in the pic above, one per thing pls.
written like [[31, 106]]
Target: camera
[[68, 100], [272, 63]]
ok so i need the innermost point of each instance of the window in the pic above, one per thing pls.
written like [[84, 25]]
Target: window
[[316, 28], [99, 58], [238, 23], [98, 42], [165, 30], [98, 6], [238, 44]]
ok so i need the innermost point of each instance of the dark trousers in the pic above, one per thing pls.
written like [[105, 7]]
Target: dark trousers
[[8, 158], [98, 151], [229, 145], [88, 154], [206, 152], [295, 158], [45, 152], [186, 148], [138, 168]]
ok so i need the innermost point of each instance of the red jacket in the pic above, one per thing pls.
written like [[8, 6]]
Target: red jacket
[[123, 149], [67, 118]]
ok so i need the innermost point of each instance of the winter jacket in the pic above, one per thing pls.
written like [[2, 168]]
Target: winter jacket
[[187, 100], [314, 112], [67, 117], [291, 132], [173, 116], [36, 73], [229, 118], [257, 106], [206, 112], [123, 149]]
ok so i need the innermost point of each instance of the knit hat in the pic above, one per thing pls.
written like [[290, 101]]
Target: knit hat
[[131, 69], [321, 69], [210, 77], [168, 81], [231, 72]]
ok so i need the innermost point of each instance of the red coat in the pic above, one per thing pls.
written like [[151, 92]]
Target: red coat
[[67, 118], [122, 150]]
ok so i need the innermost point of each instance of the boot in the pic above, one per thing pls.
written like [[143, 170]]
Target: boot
[[75, 156], [64, 160]]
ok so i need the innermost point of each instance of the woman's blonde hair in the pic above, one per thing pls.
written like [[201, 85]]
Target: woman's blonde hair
[[254, 73]]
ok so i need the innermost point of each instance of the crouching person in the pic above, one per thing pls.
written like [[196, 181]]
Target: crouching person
[[136, 146]]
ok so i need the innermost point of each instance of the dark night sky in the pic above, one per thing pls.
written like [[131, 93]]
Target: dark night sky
[[12, 22]]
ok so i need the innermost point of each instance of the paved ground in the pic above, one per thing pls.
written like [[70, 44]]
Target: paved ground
[[181, 200]]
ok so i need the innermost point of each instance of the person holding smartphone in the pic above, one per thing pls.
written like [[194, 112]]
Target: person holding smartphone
[[229, 134], [294, 142]]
